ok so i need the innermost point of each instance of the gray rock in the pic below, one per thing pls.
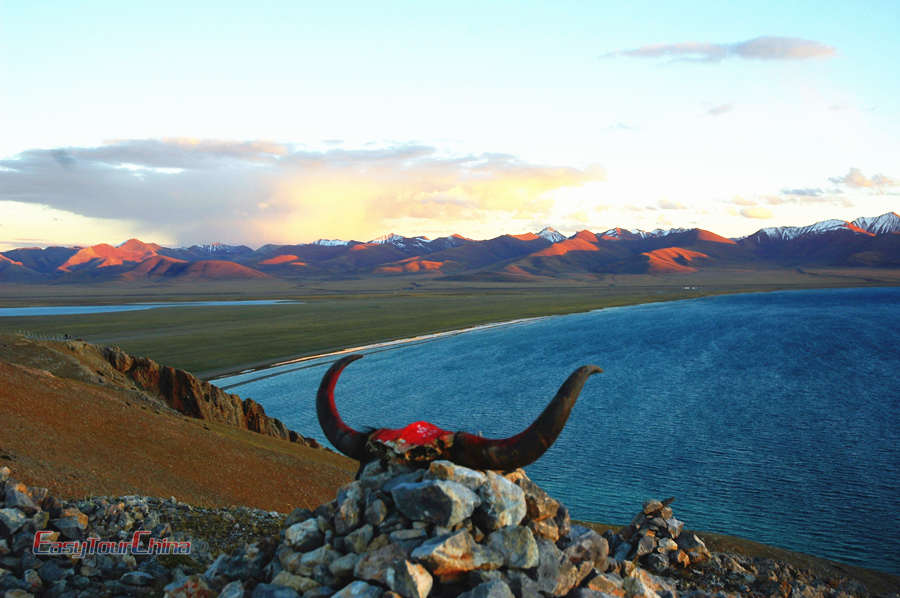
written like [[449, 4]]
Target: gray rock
[[521, 585], [562, 520], [348, 514], [376, 512], [342, 568], [298, 583], [674, 527], [17, 496], [645, 545], [137, 578], [232, 590], [412, 477], [586, 545], [401, 535], [517, 545], [540, 505], [359, 589], [555, 574], [502, 504], [359, 539], [455, 554], [305, 535], [651, 507], [490, 589], [11, 520], [373, 566], [323, 555], [410, 580], [609, 583], [694, 547], [435, 501], [51, 572], [267, 590], [622, 551], [656, 562], [451, 472]]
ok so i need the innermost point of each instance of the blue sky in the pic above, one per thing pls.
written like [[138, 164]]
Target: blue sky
[[285, 121]]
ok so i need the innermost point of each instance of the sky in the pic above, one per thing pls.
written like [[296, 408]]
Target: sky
[[286, 122]]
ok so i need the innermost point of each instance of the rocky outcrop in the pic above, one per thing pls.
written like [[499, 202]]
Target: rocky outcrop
[[366, 542], [193, 397]]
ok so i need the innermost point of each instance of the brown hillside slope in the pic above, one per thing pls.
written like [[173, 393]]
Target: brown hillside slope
[[87, 437]]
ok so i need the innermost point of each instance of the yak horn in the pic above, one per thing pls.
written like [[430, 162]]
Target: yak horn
[[478, 452], [343, 437]]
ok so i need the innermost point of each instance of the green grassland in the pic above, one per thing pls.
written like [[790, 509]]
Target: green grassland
[[340, 314]]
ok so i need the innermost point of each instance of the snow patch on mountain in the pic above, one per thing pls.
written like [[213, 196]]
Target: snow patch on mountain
[[331, 242], [879, 225], [551, 234], [787, 233]]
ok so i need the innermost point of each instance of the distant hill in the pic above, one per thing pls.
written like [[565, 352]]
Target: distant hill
[[871, 242]]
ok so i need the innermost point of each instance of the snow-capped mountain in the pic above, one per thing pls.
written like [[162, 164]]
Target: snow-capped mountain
[[331, 242], [636, 233], [551, 234], [787, 233], [879, 225], [400, 241]]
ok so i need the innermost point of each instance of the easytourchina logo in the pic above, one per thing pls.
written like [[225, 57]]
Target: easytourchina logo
[[46, 543]]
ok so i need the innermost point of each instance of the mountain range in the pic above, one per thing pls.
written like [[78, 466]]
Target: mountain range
[[864, 242]]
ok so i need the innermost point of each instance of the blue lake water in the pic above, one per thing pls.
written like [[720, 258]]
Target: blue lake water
[[66, 310], [772, 416]]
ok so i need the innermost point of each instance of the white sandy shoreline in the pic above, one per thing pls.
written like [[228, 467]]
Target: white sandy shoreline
[[372, 347]]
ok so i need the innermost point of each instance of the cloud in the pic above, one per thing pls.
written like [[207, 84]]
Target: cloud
[[667, 204], [857, 180], [261, 191], [757, 212], [721, 109], [806, 192], [742, 201], [759, 48]]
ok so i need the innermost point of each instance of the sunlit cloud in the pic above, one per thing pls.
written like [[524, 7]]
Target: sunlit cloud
[[757, 212], [856, 179], [257, 192], [667, 204], [759, 48]]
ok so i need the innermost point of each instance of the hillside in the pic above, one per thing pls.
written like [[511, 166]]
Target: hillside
[[71, 417]]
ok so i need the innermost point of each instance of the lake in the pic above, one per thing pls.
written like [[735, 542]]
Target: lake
[[67, 310], [771, 416]]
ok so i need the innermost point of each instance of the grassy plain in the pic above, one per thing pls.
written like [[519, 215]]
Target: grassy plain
[[339, 314]]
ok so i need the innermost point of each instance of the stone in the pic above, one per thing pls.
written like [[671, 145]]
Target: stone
[[295, 582], [517, 545], [562, 520], [193, 586], [268, 590], [323, 555], [305, 535], [694, 547], [137, 578], [586, 545], [11, 520], [455, 554], [545, 528], [641, 584], [651, 507], [359, 539], [71, 523], [521, 584], [656, 562], [402, 535], [555, 574], [435, 501], [17, 496], [359, 589], [666, 545], [538, 503], [502, 503], [674, 527], [342, 568], [489, 589], [450, 472], [410, 580], [33, 580], [232, 590], [51, 572], [376, 512], [297, 515], [348, 514], [645, 545], [411, 477], [622, 551], [609, 583], [373, 566]]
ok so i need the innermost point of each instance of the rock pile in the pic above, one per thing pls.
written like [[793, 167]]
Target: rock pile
[[443, 531], [25, 510], [446, 531], [655, 539]]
